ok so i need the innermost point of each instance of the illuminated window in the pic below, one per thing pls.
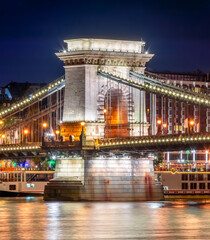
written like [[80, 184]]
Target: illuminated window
[[32, 185], [28, 185]]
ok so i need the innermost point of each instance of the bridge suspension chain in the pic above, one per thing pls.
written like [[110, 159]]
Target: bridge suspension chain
[[159, 89], [157, 82], [33, 98]]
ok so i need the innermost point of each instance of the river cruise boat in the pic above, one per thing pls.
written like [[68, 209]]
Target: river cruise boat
[[178, 182], [24, 182]]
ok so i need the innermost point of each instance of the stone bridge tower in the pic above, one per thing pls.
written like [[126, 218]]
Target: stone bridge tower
[[87, 94]]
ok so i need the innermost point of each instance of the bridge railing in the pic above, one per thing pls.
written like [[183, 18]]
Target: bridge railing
[[155, 140], [18, 147]]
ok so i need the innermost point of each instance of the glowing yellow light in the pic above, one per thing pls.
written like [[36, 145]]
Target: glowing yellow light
[[105, 110], [159, 121], [44, 125], [82, 123], [3, 136], [192, 122], [164, 125], [26, 131], [57, 132]]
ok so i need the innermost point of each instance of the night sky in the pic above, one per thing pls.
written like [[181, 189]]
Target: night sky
[[177, 32]]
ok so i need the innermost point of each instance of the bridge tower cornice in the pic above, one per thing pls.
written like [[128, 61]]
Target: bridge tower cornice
[[104, 58]]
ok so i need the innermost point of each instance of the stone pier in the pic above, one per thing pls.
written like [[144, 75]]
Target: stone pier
[[104, 178]]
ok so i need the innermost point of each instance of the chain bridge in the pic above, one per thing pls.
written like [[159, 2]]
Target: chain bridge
[[105, 103]]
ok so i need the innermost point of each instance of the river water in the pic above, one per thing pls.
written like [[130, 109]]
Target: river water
[[32, 218]]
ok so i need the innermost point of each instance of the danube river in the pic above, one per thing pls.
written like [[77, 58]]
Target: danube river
[[32, 218]]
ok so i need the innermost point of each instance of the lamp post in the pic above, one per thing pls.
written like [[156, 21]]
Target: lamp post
[[26, 132], [191, 125], [164, 128], [105, 111], [159, 122], [44, 125], [3, 136], [82, 136], [57, 132]]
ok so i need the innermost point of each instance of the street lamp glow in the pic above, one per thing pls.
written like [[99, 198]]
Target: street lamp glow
[[82, 124], [3, 136], [57, 132], [105, 110], [159, 121], [165, 125], [44, 125], [26, 131], [192, 122]]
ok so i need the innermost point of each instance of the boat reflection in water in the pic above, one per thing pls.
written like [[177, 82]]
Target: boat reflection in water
[[32, 218]]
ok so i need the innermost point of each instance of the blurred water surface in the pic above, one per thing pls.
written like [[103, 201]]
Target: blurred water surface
[[32, 218]]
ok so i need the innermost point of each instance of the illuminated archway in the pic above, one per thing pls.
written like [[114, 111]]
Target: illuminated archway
[[116, 116]]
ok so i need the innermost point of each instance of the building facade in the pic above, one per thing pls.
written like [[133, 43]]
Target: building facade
[[179, 117]]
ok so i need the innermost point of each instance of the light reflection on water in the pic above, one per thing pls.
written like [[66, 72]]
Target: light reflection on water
[[32, 218]]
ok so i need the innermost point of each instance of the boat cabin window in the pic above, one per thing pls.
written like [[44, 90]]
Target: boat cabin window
[[184, 185], [12, 187], [193, 185], [37, 177], [200, 177], [10, 177], [184, 178], [202, 186], [192, 177], [208, 185]]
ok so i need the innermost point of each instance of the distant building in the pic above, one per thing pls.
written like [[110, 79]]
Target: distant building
[[176, 115]]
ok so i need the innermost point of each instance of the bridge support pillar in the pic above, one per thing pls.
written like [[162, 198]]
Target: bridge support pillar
[[104, 178]]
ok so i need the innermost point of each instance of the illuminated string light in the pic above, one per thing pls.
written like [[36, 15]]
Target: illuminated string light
[[33, 97], [175, 93]]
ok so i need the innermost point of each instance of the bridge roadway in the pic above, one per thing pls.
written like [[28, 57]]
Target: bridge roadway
[[145, 83], [143, 144]]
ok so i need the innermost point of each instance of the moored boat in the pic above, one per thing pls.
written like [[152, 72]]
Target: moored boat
[[184, 183], [23, 182]]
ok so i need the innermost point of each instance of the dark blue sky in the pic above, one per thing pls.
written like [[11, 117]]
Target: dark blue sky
[[177, 32]]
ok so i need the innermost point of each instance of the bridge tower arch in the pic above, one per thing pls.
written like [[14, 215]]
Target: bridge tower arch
[[115, 109], [84, 86]]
